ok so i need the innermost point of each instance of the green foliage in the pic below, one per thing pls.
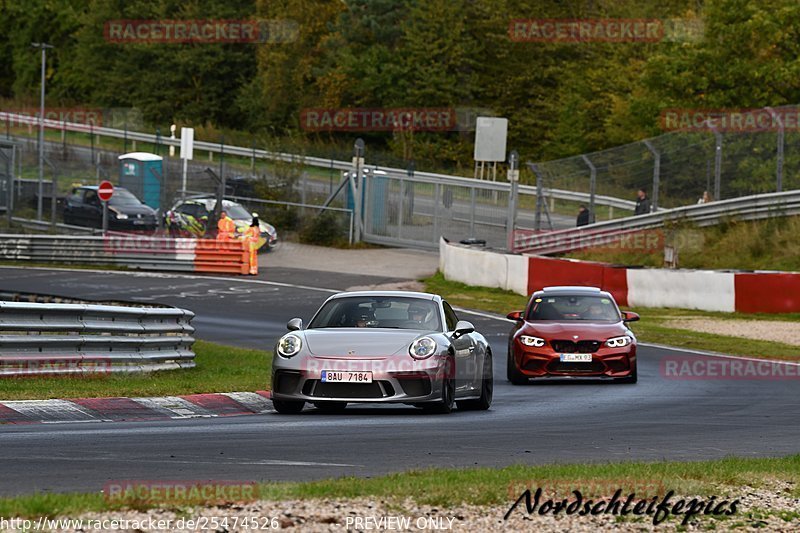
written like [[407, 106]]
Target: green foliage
[[561, 98], [323, 229]]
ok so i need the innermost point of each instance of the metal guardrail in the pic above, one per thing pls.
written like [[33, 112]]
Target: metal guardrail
[[424, 177], [48, 338], [754, 207]]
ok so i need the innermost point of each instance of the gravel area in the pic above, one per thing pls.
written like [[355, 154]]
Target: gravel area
[[759, 508], [768, 330]]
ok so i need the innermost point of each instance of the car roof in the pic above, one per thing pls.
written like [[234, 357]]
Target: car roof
[[398, 294], [572, 290], [95, 187]]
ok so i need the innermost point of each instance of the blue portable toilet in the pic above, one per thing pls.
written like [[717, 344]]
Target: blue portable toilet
[[142, 174], [378, 198]]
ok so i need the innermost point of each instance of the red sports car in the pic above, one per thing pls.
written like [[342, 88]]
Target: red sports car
[[571, 332]]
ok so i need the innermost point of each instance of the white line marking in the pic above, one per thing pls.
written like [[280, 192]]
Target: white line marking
[[174, 407], [721, 355], [51, 410], [175, 276], [481, 314], [251, 400]]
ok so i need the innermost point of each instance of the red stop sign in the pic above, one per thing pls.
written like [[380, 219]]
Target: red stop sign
[[105, 190]]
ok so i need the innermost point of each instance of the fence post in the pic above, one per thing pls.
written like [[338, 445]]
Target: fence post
[[779, 161], [656, 173], [717, 165], [592, 186], [358, 161], [537, 221], [513, 177]]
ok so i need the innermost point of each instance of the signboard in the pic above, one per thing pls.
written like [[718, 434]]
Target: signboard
[[187, 143], [490, 139], [105, 190]]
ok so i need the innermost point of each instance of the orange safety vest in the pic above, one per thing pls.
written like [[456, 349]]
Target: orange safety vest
[[252, 234], [225, 228]]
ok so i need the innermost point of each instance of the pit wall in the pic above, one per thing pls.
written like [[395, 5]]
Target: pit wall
[[707, 290]]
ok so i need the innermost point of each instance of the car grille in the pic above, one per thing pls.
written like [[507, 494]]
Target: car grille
[[595, 367], [564, 346], [376, 389]]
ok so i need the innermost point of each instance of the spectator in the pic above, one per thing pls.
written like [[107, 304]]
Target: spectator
[[706, 198], [642, 203], [584, 216]]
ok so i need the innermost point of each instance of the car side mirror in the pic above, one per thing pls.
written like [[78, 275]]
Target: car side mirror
[[294, 324], [462, 328], [629, 316], [514, 315]]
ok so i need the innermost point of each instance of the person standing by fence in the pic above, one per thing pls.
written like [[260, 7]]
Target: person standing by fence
[[251, 237]]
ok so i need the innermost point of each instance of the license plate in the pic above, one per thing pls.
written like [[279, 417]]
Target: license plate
[[344, 376], [576, 358]]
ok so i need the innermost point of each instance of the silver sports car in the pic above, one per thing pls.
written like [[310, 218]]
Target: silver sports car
[[384, 347]]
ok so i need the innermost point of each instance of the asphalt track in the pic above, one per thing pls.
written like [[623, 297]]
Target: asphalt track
[[658, 418]]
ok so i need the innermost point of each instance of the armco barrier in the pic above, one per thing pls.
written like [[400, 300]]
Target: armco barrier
[[708, 290], [130, 250], [46, 338]]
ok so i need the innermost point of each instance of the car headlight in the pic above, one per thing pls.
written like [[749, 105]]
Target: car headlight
[[289, 345], [618, 342], [422, 348], [536, 342], [120, 216]]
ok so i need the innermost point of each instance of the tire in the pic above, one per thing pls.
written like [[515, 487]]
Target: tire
[[487, 389], [288, 407], [330, 407], [447, 402], [512, 372]]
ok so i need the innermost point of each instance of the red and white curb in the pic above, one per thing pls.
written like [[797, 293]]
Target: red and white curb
[[135, 409]]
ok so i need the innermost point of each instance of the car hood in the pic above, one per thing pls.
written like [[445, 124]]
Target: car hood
[[133, 209], [355, 342], [568, 330]]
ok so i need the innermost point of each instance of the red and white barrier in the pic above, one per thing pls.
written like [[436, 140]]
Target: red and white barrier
[[707, 290]]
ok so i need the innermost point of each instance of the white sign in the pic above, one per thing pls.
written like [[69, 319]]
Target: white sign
[[187, 143], [490, 139]]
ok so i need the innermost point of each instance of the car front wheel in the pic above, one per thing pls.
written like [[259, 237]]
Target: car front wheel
[[512, 372], [288, 407]]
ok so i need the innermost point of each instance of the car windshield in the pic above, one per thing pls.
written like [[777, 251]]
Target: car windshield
[[123, 198], [565, 307], [378, 312], [237, 212]]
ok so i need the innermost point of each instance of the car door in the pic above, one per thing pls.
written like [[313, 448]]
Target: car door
[[466, 352], [91, 211]]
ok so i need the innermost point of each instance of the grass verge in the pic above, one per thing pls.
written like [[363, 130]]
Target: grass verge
[[651, 328], [219, 369], [478, 486]]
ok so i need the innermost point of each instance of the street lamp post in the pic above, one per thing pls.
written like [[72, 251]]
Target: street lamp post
[[43, 47]]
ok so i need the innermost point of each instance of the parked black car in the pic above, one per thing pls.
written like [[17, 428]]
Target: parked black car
[[125, 211]]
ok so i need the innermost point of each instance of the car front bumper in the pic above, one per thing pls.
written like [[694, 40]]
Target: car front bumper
[[544, 362], [400, 380]]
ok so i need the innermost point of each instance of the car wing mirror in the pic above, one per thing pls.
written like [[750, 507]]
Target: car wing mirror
[[294, 324], [629, 316], [514, 315], [462, 328]]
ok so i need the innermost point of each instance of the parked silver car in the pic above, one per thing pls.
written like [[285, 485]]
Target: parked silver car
[[385, 347]]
